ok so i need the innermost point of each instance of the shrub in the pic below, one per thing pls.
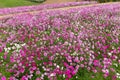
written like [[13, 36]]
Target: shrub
[[102, 1], [40, 1]]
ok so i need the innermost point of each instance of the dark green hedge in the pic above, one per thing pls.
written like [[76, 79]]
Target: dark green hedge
[[40, 1], [102, 1]]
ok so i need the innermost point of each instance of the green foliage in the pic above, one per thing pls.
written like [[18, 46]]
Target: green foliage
[[102, 1], [14, 3], [3, 66], [39, 1]]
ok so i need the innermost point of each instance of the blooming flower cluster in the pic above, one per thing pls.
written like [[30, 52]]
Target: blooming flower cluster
[[42, 7], [59, 43]]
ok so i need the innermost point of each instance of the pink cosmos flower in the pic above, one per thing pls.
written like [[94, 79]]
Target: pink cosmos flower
[[37, 72], [105, 75], [24, 78], [119, 61], [96, 62], [0, 49], [3, 78], [38, 79], [65, 64], [4, 56], [77, 59], [81, 58], [12, 78], [23, 53], [12, 59]]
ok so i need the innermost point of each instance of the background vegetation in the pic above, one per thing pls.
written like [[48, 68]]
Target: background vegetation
[[102, 1], [14, 3], [39, 1]]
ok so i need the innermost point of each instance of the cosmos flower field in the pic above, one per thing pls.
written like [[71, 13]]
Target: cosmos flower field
[[43, 7], [73, 44]]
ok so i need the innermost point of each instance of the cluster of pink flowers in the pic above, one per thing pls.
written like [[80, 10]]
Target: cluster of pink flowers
[[42, 7], [59, 43]]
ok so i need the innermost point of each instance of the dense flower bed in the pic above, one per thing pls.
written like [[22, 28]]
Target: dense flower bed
[[56, 44], [42, 7]]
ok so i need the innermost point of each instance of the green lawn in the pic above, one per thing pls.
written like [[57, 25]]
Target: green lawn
[[14, 3]]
